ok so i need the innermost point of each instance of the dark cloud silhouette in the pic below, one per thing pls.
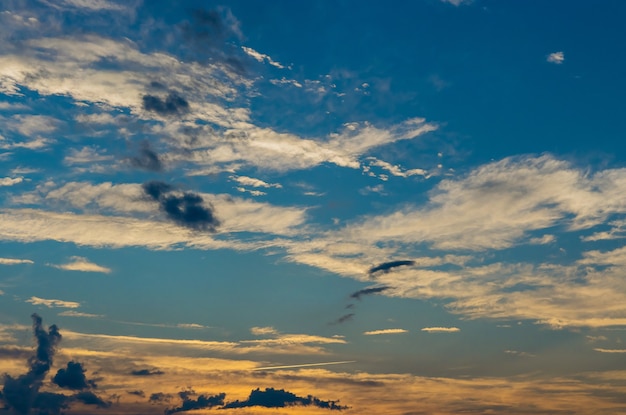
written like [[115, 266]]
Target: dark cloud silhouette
[[173, 104], [90, 398], [343, 319], [20, 393], [187, 209], [279, 398], [147, 159], [147, 372], [368, 291], [160, 397], [137, 393], [51, 403], [201, 402], [73, 377], [386, 266]]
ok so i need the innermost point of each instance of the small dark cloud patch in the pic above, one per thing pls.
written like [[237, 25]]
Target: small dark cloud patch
[[280, 398], [343, 319], [147, 159], [73, 377], [368, 291], [387, 266], [160, 397], [186, 209], [173, 104], [139, 393], [201, 402], [90, 398], [147, 372]]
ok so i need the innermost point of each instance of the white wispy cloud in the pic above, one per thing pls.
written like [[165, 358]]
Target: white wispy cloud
[[441, 329], [556, 58], [543, 240], [261, 57], [53, 303], [14, 261], [263, 331], [610, 350], [384, 331], [251, 181], [72, 313], [81, 264]]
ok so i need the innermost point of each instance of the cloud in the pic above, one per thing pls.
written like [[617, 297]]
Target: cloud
[[19, 393], [262, 331], [86, 155], [73, 377], [386, 266], [280, 398], [147, 159], [72, 313], [52, 303], [609, 350], [172, 105], [457, 2], [93, 5], [250, 181], [90, 398], [556, 58], [385, 331], [187, 209], [343, 319], [10, 181], [303, 365], [261, 57], [441, 329], [147, 372], [82, 264], [14, 261], [368, 291], [201, 402], [545, 239]]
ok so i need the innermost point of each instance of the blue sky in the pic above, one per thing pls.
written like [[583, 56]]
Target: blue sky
[[270, 200]]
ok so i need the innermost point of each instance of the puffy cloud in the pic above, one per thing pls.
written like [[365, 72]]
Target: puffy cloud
[[556, 58]]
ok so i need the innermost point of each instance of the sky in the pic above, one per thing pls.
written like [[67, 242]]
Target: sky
[[281, 207]]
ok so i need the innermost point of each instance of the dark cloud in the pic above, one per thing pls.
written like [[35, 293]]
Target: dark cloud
[[208, 34], [201, 402], [368, 291], [90, 398], [386, 266], [20, 393], [73, 377], [51, 403], [137, 393], [343, 319], [173, 104], [187, 209], [160, 397], [146, 372], [279, 398], [147, 159]]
